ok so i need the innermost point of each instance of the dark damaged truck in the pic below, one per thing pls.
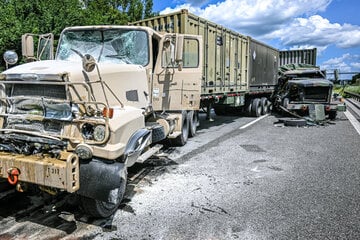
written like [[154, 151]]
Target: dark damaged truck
[[303, 86]]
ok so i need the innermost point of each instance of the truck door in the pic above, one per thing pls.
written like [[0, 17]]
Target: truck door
[[178, 72]]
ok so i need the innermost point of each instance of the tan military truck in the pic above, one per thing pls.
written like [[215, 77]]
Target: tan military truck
[[77, 122]]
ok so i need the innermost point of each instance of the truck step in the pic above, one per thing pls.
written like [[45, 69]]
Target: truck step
[[146, 155]]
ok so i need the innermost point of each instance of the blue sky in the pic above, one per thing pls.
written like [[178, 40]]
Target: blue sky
[[332, 26]]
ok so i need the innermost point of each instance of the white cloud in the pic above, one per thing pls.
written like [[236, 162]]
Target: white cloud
[[255, 17], [346, 63], [293, 24], [279, 19], [317, 31]]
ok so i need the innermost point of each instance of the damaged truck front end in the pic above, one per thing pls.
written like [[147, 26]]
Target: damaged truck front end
[[47, 130], [301, 87]]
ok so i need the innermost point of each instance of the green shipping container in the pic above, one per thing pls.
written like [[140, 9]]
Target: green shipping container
[[233, 63]]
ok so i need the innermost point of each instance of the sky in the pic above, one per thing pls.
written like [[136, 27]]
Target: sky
[[331, 26]]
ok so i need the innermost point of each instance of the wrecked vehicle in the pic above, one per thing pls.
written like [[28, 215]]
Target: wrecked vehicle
[[76, 123], [302, 88]]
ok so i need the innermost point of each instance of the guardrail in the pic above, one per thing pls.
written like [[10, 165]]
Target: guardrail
[[353, 95]]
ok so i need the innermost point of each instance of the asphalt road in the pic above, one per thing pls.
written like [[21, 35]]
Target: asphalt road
[[266, 181]]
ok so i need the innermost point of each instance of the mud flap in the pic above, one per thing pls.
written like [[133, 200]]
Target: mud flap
[[99, 179]]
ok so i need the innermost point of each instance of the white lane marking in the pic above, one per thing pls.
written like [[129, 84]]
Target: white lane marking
[[353, 121], [256, 120]]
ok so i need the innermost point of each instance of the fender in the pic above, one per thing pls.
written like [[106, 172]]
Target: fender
[[138, 141], [99, 178]]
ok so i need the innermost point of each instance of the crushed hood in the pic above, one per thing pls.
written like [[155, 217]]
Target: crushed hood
[[310, 82]]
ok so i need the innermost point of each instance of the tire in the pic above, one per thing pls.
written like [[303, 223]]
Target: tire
[[183, 137], [256, 108], [100, 209], [332, 115], [193, 122], [295, 122], [248, 107], [264, 105], [220, 111]]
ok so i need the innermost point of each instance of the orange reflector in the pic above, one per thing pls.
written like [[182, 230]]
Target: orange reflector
[[304, 107], [108, 112]]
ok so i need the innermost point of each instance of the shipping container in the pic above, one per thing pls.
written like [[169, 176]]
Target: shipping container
[[300, 56], [233, 63]]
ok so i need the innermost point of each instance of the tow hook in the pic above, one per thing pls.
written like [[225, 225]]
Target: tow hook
[[13, 175]]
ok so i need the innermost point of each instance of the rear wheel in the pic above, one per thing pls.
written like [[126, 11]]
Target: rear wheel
[[256, 108], [183, 137], [193, 122], [264, 105], [332, 115], [100, 209]]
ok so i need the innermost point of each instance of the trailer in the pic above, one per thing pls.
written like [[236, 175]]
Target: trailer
[[238, 73]]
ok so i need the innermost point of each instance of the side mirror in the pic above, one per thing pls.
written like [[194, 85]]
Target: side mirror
[[10, 58], [179, 48], [27, 42], [45, 46]]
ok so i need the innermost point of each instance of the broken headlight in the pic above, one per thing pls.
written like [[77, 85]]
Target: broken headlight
[[93, 132]]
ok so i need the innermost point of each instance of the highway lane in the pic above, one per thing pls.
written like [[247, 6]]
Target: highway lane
[[265, 181]]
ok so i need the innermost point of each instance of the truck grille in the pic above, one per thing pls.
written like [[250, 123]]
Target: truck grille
[[39, 90], [316, 94]]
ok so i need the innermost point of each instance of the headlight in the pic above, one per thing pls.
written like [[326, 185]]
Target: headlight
[[93, 132], [99, 133], [84, 151]]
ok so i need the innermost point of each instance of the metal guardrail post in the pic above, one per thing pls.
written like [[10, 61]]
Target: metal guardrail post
[[353, 95]]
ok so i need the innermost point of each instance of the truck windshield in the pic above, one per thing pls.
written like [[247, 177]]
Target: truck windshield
[[122, 46]]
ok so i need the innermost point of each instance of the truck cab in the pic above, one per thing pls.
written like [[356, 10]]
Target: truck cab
[[77, 122]]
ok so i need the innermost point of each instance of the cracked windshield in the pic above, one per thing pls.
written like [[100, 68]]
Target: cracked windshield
[[121, 46]]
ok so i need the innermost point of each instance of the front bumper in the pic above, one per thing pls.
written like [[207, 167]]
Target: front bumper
[[60, 173]]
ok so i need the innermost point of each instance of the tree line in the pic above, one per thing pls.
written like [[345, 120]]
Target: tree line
[[18, 17]]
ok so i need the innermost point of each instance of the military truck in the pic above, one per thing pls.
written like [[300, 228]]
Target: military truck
[[112, 95], [301, 86]]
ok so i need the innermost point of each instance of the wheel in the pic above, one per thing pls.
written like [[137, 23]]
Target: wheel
[[256, 108], [183, 137], [295, 122], [264, 105], [248, 107], [332, 115], [100, 209], [193, 122], [219, 111]]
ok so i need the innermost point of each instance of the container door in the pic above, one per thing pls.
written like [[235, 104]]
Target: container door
[[176, 81]]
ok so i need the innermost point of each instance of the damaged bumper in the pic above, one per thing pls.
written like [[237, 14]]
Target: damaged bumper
[[60, 173]]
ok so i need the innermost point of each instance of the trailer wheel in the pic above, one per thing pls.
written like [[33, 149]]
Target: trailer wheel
[[264, 105], [183, 137], [248, 107], [99, 209], [332, 115], [193, 122], [256, 108], [219, 111]]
